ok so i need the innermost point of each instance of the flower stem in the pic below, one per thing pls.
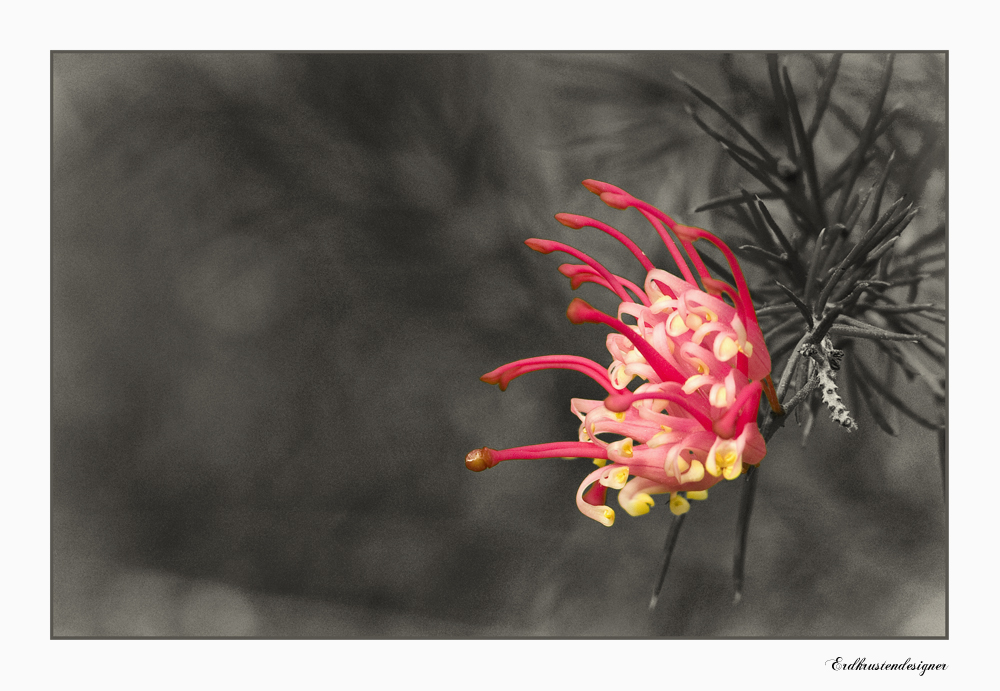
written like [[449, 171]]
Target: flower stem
[[743, 530], [668, 549]]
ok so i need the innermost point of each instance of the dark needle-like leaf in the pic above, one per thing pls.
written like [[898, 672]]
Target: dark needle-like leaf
[[803, 309], [733, 122], [747, 220], [861, 288], [900, 270], [932, 238], [901, 322], [931, 316], [756, 222], [913, 366], [891, 231], [776, 329], [731, 200], [814, 265], [852, 256], [668, 549], [785, 347], [807, 159], [899, 280], [781, 308], [786, 246], [764, 254], [893, 308], [845, 119], [871, 332], [748, 155], [853, 209], [866, 138], [880, 190], [881, 250], [838, 234], [762, 176], [874, 408], [867, 376], [855, 214], [743, 531], [835, 180], [780, 103], [823, 96]]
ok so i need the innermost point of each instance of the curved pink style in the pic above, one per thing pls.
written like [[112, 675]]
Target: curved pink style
[[699, 352]]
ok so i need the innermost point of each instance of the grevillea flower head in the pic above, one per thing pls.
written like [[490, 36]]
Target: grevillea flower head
[[701, 359]]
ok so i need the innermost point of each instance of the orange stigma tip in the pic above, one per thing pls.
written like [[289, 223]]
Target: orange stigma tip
[[615, 200], [577, 311], [495, 380], [537, 245], [478, 460], [569, 220]]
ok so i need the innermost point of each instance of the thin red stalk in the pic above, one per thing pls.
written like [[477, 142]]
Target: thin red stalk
[[548, 246], [557, 449], [745, 304], [699, 265], [672, 247], [581, 273], [639, 292], [621, 402], [504, 375], [575, 221], [580, 311]]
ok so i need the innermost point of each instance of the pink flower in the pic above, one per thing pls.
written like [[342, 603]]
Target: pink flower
[[701, 359]]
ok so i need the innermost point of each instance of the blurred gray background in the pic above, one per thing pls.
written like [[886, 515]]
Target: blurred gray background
[[276, 282]]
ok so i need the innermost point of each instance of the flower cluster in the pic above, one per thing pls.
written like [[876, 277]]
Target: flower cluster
[[698, 352]]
